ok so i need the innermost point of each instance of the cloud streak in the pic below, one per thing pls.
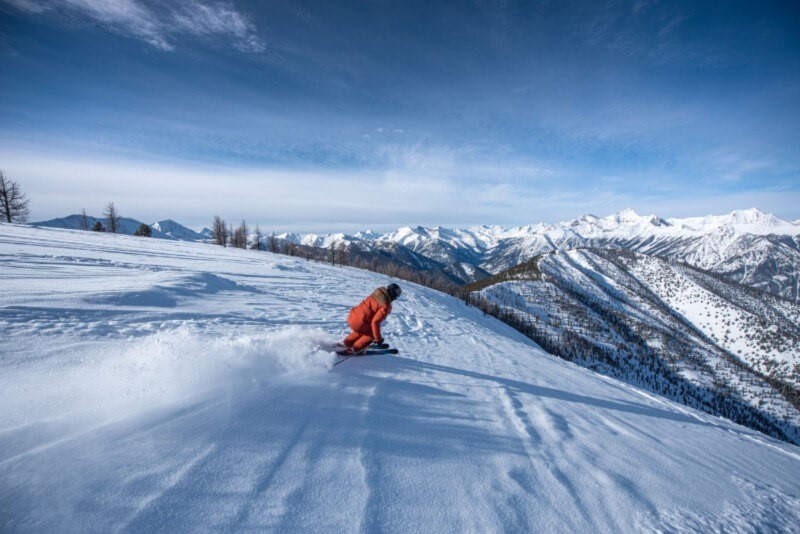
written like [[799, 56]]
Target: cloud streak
[[286, 199], [159, 25]]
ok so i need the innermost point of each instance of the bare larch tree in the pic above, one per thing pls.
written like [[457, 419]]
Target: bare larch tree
[[256, 244], [332, 253], [239, 237], [13, 203], [112, 215], [219, 231], [341, 253]]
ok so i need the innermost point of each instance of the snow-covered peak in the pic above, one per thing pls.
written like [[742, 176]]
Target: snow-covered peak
[[165, 225], [749, 221], [627, 215], [753, 216], [316, 240], [176, 230], [368, 234], [587, 218], [406, 236], [625, 224]]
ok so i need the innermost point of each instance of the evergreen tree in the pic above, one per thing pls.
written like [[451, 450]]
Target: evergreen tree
[[98, 227], [143, 231]]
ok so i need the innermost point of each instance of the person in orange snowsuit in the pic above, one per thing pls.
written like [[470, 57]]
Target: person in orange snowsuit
[[366, 318]]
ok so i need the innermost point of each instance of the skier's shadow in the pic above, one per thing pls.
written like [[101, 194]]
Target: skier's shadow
[[543, 391]]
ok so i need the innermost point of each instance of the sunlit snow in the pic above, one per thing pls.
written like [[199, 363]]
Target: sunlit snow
[[163, 385]]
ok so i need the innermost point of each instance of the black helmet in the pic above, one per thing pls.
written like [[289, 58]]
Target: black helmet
[[394, 291]]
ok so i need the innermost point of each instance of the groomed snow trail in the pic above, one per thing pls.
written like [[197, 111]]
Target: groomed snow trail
[[154, 385]]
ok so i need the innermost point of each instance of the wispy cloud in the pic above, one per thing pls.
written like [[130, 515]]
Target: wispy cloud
[[156, 24], [324, 200], [731, 167], [127, 16], [31, 6], [218, 18]]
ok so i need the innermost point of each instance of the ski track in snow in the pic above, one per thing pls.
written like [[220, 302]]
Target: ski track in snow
[[153, 385]]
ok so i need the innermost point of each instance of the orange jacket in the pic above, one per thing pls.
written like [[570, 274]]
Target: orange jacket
[[368, 316]]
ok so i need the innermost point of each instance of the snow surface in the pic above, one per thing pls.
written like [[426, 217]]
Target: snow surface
[[162, 385]]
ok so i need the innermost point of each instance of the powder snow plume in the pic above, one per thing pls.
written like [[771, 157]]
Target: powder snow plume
[[161, 370]]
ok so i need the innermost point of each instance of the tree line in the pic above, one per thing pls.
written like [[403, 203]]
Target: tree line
[[224, 234]]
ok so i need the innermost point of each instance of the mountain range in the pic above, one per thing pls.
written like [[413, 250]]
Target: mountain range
[[746, 246]]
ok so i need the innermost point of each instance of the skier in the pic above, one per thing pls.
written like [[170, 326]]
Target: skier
[[366, 318]]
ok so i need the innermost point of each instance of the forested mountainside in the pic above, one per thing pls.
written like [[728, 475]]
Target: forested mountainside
[[690, 335]]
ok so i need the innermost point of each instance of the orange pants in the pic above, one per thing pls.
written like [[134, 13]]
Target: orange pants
[[359, 339]]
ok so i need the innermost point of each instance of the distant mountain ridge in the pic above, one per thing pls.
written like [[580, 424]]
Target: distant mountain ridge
[[623, 225], [166, 229]]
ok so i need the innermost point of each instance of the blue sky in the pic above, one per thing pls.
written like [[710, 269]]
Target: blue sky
[[317, 116]]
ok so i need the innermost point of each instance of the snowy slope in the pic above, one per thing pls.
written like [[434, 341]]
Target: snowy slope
[[164, 385], [740, 323]]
